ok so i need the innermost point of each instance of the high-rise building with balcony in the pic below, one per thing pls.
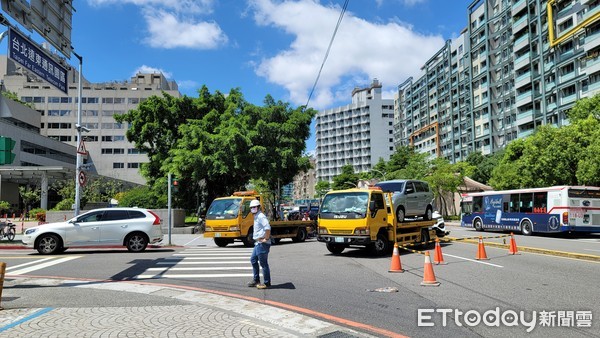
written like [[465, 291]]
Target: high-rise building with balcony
[[359, 133], [517, 65]]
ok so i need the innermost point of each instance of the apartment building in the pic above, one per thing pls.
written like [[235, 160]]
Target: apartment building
[[109, 152], [359, 133], [517, 65], [303, 186]]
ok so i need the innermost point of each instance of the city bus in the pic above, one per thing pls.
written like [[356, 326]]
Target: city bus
[[536, 210]]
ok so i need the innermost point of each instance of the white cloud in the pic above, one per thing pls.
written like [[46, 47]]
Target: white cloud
[[361, 51], [168, 31], [175, 23], [188, 84], [188, 6], [151, 70]]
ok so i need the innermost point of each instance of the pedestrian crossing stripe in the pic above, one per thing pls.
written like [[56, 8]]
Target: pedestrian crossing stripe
[[213, 275], [38, 265]]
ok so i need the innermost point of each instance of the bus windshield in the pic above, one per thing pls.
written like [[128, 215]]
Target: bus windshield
[[224, 209]]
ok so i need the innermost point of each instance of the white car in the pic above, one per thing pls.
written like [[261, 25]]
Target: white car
[[133, 228]]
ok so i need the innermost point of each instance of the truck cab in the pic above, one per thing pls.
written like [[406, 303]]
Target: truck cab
[[365, 217], [229, 218]]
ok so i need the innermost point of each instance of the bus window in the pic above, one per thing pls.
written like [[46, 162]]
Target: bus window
[[526, 202], [514, 203], [466, 207], [477, 204], [539, 202]]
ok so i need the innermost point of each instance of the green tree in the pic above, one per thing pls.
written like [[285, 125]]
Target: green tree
[[29, 195], [346, 180], [484, 165], [446, 177], [585, 107], [143, 197], [321, 188], [4, 207]]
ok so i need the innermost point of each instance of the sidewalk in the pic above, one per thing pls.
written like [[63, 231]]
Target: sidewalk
[[44, 307]]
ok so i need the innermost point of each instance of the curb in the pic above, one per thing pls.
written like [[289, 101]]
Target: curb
[[575, 255]]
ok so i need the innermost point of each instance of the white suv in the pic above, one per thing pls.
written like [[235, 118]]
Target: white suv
[[133, 228], [410, 198]]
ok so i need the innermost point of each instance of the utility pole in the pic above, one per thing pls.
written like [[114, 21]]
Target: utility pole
[[79, 127]]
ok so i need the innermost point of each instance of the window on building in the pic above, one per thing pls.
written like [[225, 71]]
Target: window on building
[[118, 165]]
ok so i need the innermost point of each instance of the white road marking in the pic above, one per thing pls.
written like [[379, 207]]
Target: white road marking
[[28, 263], [205, 268], [473, 260], [210, 254], [43, 265], [188, 262], [591, 250], [213, 275]]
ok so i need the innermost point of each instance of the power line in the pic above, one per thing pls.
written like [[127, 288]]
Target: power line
[[328, 49]]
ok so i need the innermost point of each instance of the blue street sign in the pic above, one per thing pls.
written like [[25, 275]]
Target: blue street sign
[[33, 58]]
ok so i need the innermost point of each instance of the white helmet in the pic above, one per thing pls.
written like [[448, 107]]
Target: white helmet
[[254, 203]]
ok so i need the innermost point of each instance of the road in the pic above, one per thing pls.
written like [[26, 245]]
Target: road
[[306, 275]]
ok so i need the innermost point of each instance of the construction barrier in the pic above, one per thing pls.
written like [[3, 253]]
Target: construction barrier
[[2, 272]]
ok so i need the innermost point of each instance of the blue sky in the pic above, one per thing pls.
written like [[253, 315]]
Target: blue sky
[[263, 46]]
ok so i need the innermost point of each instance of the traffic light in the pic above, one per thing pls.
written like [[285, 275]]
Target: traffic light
[[6, 147], [174, 184]]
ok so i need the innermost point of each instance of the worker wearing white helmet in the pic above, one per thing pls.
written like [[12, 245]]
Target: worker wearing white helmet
[[262, 245]]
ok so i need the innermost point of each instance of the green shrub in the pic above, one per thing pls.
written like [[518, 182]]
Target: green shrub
[[38, 214]]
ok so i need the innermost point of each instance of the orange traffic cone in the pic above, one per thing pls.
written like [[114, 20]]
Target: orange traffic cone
[[481, 255], [396, 266], [512, 249], [428, 275], [438, 258]]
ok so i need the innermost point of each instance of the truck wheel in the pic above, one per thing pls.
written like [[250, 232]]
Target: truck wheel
[[335, 249], [526, 228], [248, 240], [301, 236], [425, 238], [381, 245], [400, 215], [221, 242]]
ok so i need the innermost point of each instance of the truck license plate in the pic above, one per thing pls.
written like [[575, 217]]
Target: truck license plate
[[217, 234], [339, 239]]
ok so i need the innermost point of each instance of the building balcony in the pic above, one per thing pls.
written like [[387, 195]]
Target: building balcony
[[592, 65], [568, 99], [521, 42], [519, 5], [523, 79], [567, 77], [523, 98], [524, 117], [522, 60], [519, 24], [526, 133]]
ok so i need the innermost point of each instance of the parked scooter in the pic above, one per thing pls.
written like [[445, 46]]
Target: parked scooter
[[440, 226]]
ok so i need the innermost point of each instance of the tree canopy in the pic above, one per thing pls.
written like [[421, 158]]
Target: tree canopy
[[216, 143]]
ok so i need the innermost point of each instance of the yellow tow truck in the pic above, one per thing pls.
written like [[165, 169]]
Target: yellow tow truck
[[364, 217], [229, 219]]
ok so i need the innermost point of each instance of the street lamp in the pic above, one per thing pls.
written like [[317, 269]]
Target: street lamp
[[79, 129], [382, 173]]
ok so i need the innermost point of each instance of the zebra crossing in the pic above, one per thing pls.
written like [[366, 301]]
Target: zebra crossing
[[206, 262]]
